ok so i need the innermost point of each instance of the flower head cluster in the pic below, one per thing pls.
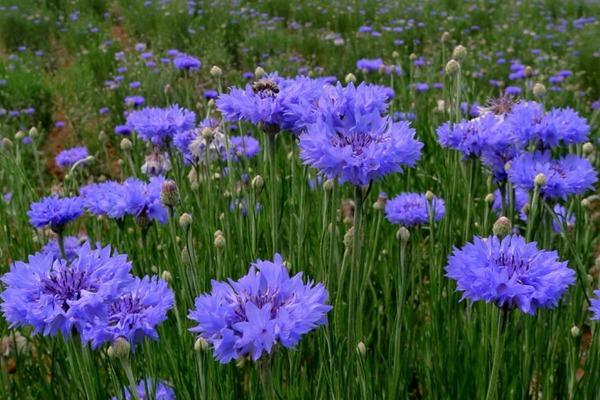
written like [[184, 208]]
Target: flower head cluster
[[351, 140], [469, 137], [529, 123], [134, 197], [264, 308], [160, 125], [186, 62], [410, 209], [67, 158], [510, 273], [564, 176], [145, 387], [55, 212], [93, 294]]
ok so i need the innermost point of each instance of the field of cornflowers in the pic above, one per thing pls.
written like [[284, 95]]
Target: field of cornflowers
[[287, 199]]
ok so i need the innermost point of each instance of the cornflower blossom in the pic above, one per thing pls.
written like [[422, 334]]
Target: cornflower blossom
[[156, 163], [565, 176], [351, 140], [471, 138], [55, 212], [273, 102], [58, 296], [509, 273], [529, 123], [243, 147], [134, 197], [521, 198], [141, 306], [135, 101], [501, 148], [160, 125], [261, 310], [595, 305], [145, 387], [186, 62], [410, 209], [183, 139], [72, 245], [67, 158]]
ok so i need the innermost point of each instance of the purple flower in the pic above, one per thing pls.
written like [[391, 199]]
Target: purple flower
[[136, 101], [264, 308], [141, 306], [410, 209], [351, 139], [133, 197], [565, 176], [72, 245], [521, 198], [156, 163], [145, 387], [55, 211], [595, 305], [67, 158], [159, 125], [55, 296], [186, 62], [122, 130], [244, 146], [564, 219], [369, 65], [469, 137], [509, 273]]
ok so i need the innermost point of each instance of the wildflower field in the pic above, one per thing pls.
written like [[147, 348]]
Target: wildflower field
[[351, 199]]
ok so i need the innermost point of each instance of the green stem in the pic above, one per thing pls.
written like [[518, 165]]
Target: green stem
[[274, 199], [132, 384]]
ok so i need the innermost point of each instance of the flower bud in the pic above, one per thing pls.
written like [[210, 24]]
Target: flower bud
[[502, 227], [19, 135], [350, 78], [166, 276], [216, 72], [169, 194], [6, 143], [201, 344], [575, 331], [120, 349], [361, 349], [167, 89], [452, 68], [102, 136], [211, 103], [588, 148], [540, 180], [259, 72], [33, 132], [528, 72], [185, 256], [258, 183], [539, 90], [185, 221], [460, 53], [349, 238], [220, 242], [490, 198], [207, 133], [585, 203], [126, 145], [403, 235], [395, 54], [446, 37], [429, 195], [328, 185]]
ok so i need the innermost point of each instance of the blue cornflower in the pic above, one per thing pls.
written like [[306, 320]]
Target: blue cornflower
[[67, 158], [351, 139], [58, 296], [264, 308], [244, 146], [55, 212], [366, 64], [160, 125], [134, 197], [509, 273], [564, 176], [156, 163], [529, 123], [469, 137], [521, 198], [410, 209], [72, 245], [141, 306], [186, 62], [145, 387], [136, 101]]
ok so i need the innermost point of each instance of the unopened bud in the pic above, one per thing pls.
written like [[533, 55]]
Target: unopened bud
[[207, 133], [459, 53], [33, 132], [502, 227], [403, 235], [490, 198], [120, 349], [167, 89], [528, 72], [258, 183], [540, 180], [259, 72], [328, 185], [185, 221], [201, 344], [185, 256], [446, 37], [220, 242], [216, 72], [19, 135], [429, 195], [350, 78], [539, 90], [575, 331], [585, 203], [169, 194], [6, 143], [348, 238], [588, 148], [166, 276], [211, 103], [395, 54], [361, 349], [126, 145], [102, 136], [452, 68]]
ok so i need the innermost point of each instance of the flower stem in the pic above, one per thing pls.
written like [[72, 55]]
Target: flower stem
[[265, 370], [274, 199], [129, 373]]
